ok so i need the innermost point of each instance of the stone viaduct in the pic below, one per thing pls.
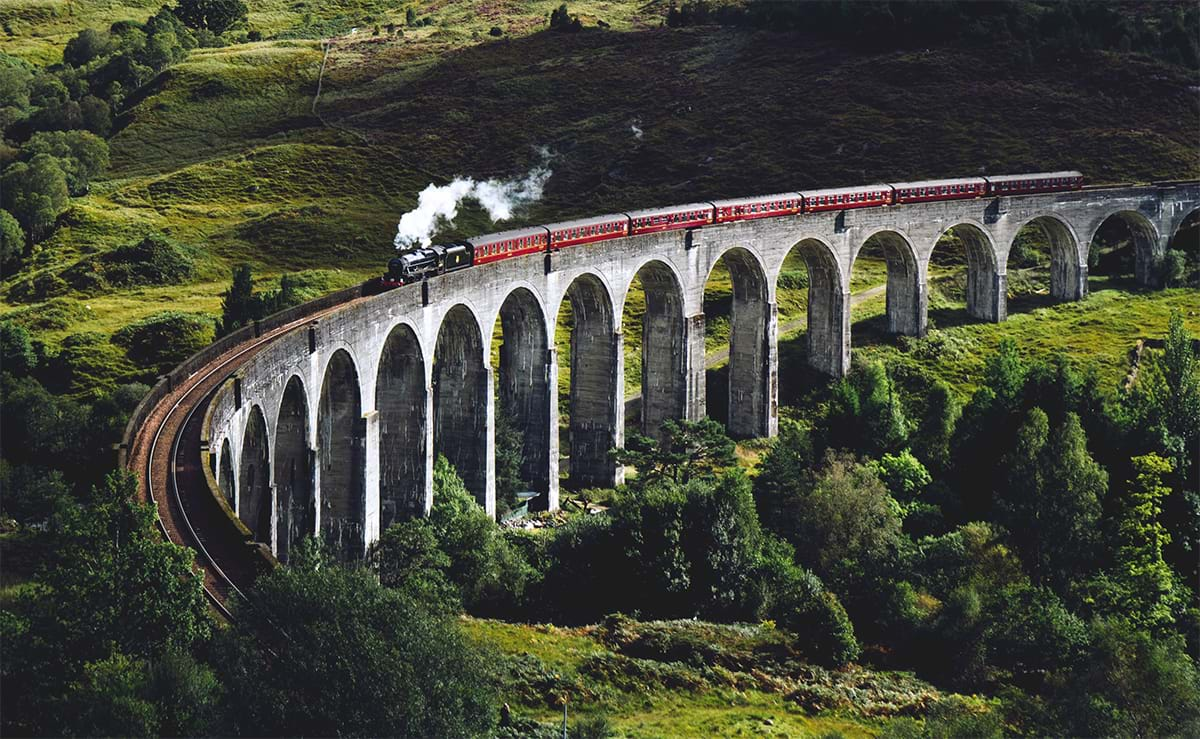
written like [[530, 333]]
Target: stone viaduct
[[334, 429]]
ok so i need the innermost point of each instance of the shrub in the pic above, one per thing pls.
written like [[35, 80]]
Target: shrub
[[165, 339], [86, 361], [562, 20], [37, 288], [155, 260], [489, 573], [793, 279], [322, 650], [807, 609]]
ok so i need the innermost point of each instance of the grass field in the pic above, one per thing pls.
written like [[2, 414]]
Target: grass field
[[226, 151]]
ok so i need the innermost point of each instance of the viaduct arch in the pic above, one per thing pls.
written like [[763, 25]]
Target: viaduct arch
[[336, 425]]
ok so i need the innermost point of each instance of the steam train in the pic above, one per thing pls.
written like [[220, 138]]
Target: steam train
[[416, 264]]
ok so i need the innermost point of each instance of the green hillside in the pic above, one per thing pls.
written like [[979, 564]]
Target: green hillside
[[231, 152]]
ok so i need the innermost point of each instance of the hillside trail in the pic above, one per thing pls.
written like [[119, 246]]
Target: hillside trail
[[716, 357]]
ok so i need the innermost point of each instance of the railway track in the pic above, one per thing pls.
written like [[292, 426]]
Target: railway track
[[165, 454]]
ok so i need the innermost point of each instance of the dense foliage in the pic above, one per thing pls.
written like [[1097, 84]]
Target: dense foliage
[[324, 650], [114, 615], [54, 120], [1005, 548]]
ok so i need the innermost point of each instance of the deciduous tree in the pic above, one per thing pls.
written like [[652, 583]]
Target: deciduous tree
[[217, 16], [36, 193]]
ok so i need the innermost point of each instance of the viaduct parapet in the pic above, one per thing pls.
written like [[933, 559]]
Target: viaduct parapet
[[333, 428]]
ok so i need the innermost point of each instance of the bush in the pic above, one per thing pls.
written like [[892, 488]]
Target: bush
[[165, 339], [804, 607], [322, 650], [38, 288], [155, 260], [793, 279], [489, 573], [87, 361], [562, 20]]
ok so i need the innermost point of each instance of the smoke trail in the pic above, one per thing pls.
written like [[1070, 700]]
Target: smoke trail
[[438, 205]]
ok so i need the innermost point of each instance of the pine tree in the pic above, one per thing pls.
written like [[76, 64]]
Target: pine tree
[[238, 306]]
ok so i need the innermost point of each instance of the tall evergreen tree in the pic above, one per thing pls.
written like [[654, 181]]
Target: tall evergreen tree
[[239, 306], [1050, 501]]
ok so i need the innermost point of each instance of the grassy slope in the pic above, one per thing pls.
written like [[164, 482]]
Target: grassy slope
[[224, 151], [656, 711]]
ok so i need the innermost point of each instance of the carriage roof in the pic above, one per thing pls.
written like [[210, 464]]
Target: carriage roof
[[516, 233]]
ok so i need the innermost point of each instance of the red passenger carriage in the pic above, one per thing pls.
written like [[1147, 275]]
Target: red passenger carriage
[[928, 190], [1027, 184], [587, 230], [763, 206], [842, 198], [666, 219], [493, 247]]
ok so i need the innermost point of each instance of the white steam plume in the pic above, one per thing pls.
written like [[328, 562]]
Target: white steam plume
[[437, 205]]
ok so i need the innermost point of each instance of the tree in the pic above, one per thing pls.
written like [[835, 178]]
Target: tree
[[35, 192], [1130, 684], [782, 471], [97, 115], [238, 307], [1051, 502], [407, 558], [1004, 372], [17, 356], [88, 45], [724, 546], [935, 428], [488, 573], [1182, 406], [903, 474], [217, 16], [112, 587], [847, 525], [509, 448], [881, 413], [1141, 586], [322, 650], [689, 449], [81, 155]]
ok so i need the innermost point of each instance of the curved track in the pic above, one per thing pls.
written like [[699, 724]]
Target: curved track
[[165, 454]]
